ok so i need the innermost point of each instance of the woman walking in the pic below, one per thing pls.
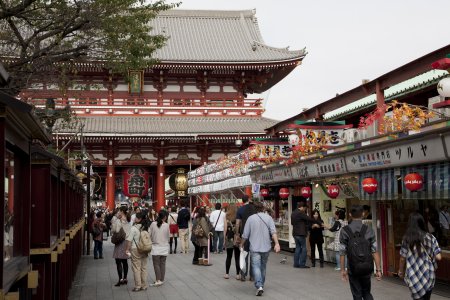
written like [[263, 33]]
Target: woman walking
[[138, 260], [230, 244], [173, 228], [159, 233], [316, 238], [420, 251], [119, 254], [202, 239]]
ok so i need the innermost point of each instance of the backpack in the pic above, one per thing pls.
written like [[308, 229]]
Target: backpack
[[230, 231], [198, 231], [96, 231], [360, 259], [144, 246]]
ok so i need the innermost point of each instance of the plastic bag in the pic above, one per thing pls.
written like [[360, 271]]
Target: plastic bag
[[242, 258]]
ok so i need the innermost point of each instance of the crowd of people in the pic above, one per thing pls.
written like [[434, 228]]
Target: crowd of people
[[248, 233]]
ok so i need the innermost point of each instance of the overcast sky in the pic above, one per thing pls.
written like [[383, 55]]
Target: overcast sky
[[346, 40]]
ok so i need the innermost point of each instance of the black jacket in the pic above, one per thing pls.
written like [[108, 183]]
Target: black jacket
[[300, 223], [183, 218], [316, 234]]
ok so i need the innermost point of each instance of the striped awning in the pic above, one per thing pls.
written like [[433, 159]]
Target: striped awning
[[436, 179], [387, 185]]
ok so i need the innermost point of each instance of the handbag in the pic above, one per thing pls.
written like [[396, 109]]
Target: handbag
[[118, 237], [173, 228]]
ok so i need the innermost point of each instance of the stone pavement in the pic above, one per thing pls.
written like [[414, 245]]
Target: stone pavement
[[95, 280]]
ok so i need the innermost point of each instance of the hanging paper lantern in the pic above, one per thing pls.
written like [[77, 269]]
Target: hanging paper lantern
[[333, 191], [293, 139], [264, 192], [370, 185], [306, 192], [284, 193], [413, 182], [136, 182]]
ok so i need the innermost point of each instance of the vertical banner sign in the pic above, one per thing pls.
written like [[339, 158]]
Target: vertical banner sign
[[136, 80], [135, 182]]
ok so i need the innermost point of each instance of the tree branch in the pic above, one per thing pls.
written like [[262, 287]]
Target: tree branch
[[10, 12]]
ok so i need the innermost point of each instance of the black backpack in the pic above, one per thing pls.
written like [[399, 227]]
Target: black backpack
[[360, 259]]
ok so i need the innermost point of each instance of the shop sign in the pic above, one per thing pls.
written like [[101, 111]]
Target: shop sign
[[331, 166], [417, 152], [277, 175], [303, 171], [265, 151], [332, 136]]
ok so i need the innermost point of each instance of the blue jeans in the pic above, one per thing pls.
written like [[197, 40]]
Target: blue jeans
[[338, 261], [218, 235], [259, 262], [98, 248], [300, 251]]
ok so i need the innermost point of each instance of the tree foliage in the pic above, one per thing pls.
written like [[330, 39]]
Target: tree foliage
[[43, 37]]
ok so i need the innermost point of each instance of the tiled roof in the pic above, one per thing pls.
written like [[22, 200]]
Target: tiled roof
[[215, 36], [408, 86], [177, 126]]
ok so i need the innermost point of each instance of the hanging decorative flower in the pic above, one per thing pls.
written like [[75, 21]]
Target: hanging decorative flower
[[370, 185], [413, 182]]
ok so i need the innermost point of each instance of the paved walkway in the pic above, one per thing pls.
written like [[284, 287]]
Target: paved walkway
[[96, 278]]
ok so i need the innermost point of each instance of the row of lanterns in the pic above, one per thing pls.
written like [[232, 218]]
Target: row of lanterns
[[412, 181]]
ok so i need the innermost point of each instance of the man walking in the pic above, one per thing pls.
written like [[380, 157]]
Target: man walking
[[217, 220], [259, 229], [300, 221], [183, 226], [358, 242], [243, 213]]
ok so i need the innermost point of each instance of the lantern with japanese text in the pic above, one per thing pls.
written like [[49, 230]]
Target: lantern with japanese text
[[135, 182], [305, 192], [178, 182], [333, 191], [284, 193], [413, 182], [293, 139], [370, 185], [264, 192]]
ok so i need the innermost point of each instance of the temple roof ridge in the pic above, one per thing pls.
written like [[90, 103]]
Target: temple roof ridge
[[214, 36]]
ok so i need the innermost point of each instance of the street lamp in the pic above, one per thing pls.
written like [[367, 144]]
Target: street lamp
[[87, 164]]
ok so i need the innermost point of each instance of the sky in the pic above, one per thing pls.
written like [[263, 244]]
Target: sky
[[347, 41]]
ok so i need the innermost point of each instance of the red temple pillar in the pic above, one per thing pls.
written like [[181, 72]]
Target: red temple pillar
[[380, 105], [160, 176], [110, 184], [11, 187]]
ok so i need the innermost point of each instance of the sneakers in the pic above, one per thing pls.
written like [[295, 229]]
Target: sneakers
[[337, 269], [260, 291]]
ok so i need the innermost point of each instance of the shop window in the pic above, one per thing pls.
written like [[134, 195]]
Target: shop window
[[9, 207]]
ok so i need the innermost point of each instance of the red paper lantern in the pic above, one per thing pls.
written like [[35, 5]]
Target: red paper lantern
[[370, 185], [333, 191], [284, 193], [264, 192], [306, 192], [413, 182], [136, 182]]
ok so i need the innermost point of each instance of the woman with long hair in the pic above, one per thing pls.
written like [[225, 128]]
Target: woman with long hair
[[420, 251], [230, 244], [138, 260], [202, 241], [119, 254], [159, 233], [316, 238]]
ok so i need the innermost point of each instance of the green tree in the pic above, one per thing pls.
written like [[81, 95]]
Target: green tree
[[50, 37]]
